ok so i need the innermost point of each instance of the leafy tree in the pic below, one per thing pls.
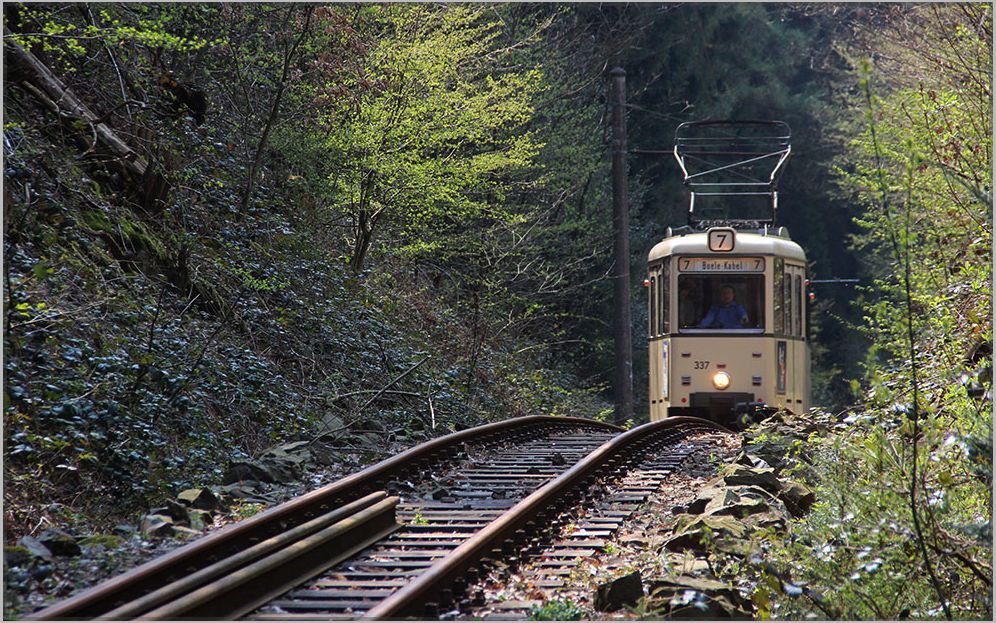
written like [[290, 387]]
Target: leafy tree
[[433, 140], [906, 525]]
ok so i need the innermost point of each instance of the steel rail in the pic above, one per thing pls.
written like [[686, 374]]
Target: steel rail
[[237, 593], [190, 583], [410, 601], [188, 559]]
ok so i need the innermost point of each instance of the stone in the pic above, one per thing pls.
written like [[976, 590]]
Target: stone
[[750, 460], [175, 510], [185, 532], [15, 555], [60, 543], [125, 529], [240, 471], [702, 498], [618, 593], [200, 519], [35, 547], [768, 519], [296, 447], [280, 455], [690, 597], [798, 498], [42, 571], [696, 531], [282, 469], [741, 501], [689, 565], [200, 499], [325, 454], [108, 541], [157, 525], [763, 477]]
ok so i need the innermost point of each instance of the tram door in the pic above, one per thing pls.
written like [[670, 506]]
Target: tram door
[[796, 360]]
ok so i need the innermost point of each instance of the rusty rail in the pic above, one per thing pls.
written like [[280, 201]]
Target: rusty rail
[[209, 550], [412, 599]]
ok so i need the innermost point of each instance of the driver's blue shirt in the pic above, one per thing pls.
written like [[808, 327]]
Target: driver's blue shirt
[[725, 316]]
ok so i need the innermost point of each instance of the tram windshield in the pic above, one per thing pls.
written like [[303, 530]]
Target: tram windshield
[[720, 302]]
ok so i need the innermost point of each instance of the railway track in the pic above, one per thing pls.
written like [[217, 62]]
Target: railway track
[[583, 532], [405, 537]]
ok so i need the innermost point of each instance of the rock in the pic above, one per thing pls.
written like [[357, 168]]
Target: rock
[[16, 555], [296, 447], [200, 499], [689, 565], [283, 469], [696, 531], [157, 525], [706, 495], [125, 529], [109, 541], [798, 498], [558, 459], [200, 519], [41, 572], [243, 491], [763, 477], [325, 454], [175, 510], [768, 519], [240, 471], [622, 591], [35, 547], [750, 460], [741, 501], [59, 542], [278, 455], [688, 597], [185, 532]]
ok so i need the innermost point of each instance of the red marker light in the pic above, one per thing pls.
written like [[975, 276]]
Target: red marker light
[[812, 296], [646, 283]]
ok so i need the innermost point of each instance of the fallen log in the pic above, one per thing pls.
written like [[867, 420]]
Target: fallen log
[[51, 92]]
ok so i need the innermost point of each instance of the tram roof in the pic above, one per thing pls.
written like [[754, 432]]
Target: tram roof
[[769, 243]]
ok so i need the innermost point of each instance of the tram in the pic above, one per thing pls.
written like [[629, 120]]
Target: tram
[[727, 293]]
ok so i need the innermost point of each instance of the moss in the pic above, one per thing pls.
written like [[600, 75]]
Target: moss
[[109, 541]]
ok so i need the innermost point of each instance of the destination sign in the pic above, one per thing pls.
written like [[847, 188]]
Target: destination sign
[[721, 264]]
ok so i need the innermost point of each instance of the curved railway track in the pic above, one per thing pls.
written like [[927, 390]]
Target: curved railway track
[[404, 537]]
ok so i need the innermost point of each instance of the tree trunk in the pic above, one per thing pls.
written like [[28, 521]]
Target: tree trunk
[[38, 80], [271, 117]]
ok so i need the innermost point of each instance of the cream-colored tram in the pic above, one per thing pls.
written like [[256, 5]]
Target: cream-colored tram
[[728, 296]]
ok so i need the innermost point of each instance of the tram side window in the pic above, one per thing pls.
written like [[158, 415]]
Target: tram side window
[[798, 305], [779, 295], [787, 300], [652, 312], [665, 299], [721, 302]]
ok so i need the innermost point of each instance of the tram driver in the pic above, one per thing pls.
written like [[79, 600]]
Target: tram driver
[[727, 314]]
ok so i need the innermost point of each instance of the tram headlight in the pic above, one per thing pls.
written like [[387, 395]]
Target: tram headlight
[[721, 380]]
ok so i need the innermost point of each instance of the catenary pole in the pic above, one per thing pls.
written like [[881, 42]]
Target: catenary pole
[[622, 320]]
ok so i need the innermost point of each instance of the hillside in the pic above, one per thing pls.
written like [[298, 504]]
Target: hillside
[[231, 227]]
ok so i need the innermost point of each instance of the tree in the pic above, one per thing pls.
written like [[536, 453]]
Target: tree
[[430, 127]]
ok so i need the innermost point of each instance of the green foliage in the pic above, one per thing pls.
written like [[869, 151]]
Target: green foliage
[[245, 510], [435, 138], [557, 610], [904, 525]]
